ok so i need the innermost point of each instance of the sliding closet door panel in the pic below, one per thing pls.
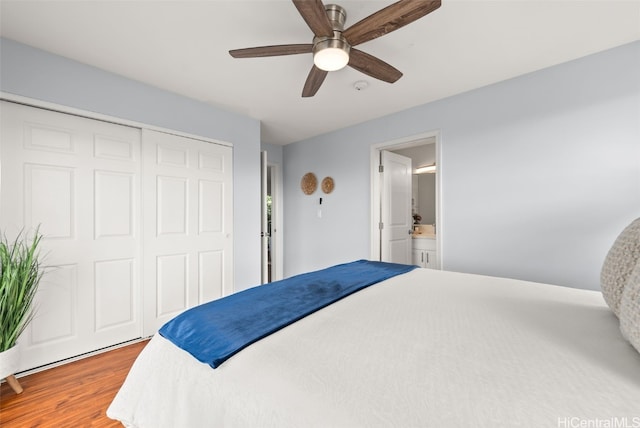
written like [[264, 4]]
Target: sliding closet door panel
[[114, 204], [211, 210], [172, 206], [115, 288], [211, 275], [56, 302], [187, 200], [78, 180], [172, 284]]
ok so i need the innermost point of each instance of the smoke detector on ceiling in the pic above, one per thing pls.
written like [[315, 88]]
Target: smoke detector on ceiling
[[361, 85]]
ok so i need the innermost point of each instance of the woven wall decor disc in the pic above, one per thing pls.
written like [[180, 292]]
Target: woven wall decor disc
[[309, 183], [327, 185]]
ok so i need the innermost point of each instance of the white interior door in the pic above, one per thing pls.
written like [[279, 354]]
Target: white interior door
[[395, 215], [264, 227], [188, 250], [79, 179]]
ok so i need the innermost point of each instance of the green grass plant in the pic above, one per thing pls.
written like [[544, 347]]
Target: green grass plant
[[20, 273]]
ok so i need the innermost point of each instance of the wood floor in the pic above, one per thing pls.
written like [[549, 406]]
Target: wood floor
[[73, 395]]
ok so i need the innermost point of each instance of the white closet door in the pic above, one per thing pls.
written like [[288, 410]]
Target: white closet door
[[188, 226], [79, 179]]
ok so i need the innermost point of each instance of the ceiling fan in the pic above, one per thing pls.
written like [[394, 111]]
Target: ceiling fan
[[333, 46]]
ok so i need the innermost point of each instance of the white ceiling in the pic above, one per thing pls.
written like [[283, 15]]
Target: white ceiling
[[181, 46]]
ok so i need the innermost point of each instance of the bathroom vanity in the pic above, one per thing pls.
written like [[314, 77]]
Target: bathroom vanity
[[424, 252], [424, 249]]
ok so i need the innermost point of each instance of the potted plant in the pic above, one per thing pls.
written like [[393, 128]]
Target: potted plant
[[20, 274]]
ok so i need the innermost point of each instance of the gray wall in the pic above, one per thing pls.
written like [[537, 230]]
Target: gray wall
[[40, 75], [539, 174]]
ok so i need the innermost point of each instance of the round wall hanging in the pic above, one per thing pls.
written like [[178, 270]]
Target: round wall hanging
[[327, 185], [309, 183]]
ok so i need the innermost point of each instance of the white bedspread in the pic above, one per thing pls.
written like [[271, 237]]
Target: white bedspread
[[424, 349]]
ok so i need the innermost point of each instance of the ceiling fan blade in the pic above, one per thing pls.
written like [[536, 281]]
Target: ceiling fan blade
[[314, 81], [372, 66], [389, 19], [271, 51], [315, 16]]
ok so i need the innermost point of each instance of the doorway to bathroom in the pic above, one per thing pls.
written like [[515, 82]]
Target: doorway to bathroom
[[389, 212], [271, 220]]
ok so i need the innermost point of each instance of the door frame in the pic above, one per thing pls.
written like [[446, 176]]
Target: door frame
[[277, 253], [264, 234], [403, 143], [272, 172]]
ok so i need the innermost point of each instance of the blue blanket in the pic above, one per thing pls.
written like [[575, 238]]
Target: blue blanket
[[215, 331]]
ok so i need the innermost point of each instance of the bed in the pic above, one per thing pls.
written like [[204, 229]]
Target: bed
[[424, 348]]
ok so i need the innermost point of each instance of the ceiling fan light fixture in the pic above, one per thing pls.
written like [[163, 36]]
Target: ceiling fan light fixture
[[331, 54], [332, 50]]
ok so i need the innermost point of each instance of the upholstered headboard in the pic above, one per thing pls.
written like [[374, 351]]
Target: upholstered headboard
[[620, 281]]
